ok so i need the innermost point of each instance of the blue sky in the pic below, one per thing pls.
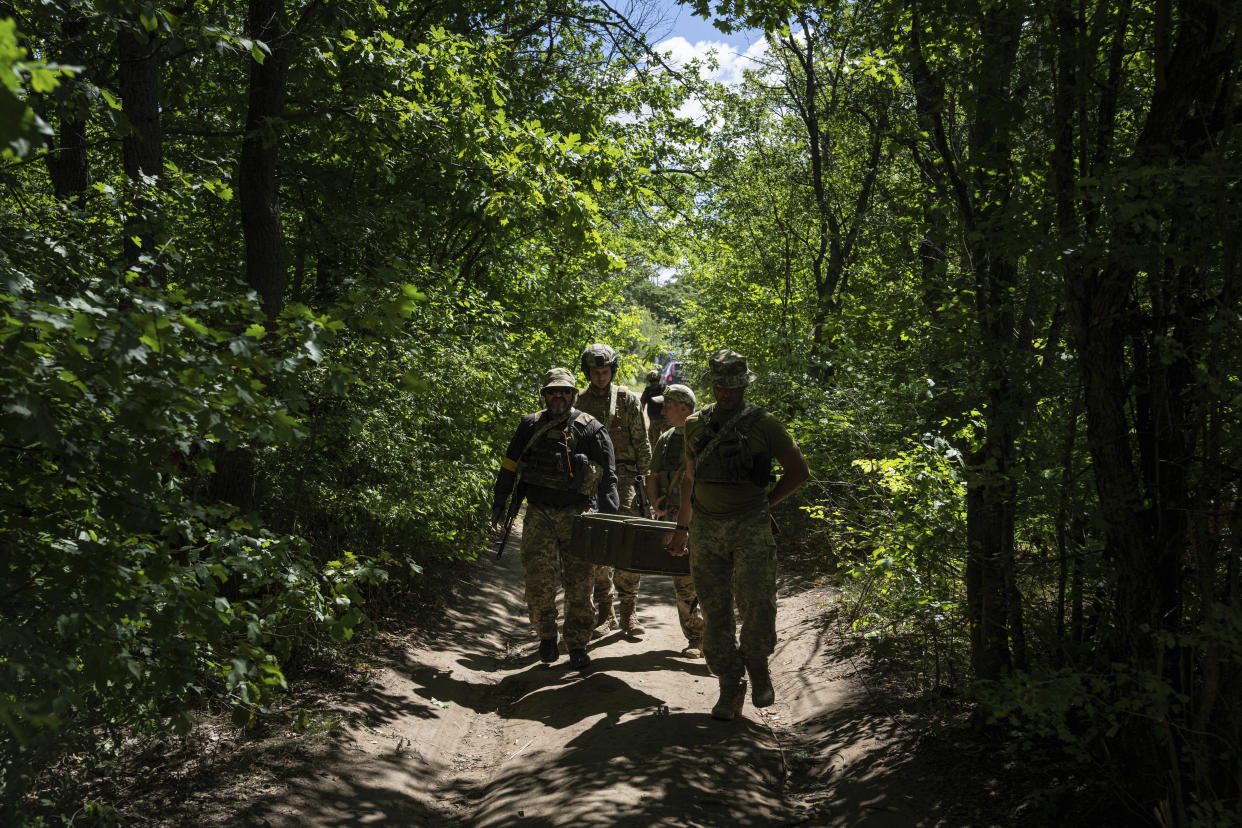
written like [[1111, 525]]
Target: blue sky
[[675, 30], [694, 29]]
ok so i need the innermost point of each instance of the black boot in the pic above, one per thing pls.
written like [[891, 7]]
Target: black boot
[[549, 649]]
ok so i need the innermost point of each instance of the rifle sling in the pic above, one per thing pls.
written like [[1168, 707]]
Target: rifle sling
[[746, 416]]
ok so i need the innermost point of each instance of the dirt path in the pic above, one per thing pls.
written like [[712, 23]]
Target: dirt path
[[469, 728]]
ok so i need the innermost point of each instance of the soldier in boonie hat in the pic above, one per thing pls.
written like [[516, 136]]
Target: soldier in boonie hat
[[677, 393], [727, 527], [727, 369], [558, 378], [556, 382], [558, 460]]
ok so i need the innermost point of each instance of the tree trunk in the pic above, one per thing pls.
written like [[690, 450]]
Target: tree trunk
[[236, 478], [138, 76], [67, 160], [258, 189], [1005, 346], [1141, 324]]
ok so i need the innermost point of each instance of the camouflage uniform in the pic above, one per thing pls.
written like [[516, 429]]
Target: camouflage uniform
[[545, 537], [734, 559], [563, 460], [628, 430], [656, 424], [666, 464], [732, 550]]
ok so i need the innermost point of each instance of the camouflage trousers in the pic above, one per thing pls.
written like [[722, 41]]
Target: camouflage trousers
[[733, 560], [689, 614], [606, 576], [545, 550]]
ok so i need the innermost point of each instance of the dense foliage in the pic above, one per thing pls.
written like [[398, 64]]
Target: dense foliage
[[277, 279], [997, 245]]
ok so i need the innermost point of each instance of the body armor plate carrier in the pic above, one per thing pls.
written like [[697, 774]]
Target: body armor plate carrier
[[551, 457], [724, 454]]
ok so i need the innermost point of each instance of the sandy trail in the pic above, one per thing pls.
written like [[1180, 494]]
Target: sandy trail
[[470, 728]]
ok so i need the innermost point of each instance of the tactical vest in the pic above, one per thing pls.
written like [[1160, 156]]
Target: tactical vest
[[612, 411], [670, 465], [548, 460], [731, 459]]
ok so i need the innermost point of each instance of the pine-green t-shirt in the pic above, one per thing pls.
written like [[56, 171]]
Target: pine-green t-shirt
[[766, 435]]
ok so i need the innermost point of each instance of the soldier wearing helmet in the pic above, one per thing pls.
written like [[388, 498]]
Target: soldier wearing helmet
[[564, 459], [729, 448], [653, 409], [621, 412]]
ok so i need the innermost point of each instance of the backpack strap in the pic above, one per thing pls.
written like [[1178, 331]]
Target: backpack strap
[[545, 427], [743, 419]]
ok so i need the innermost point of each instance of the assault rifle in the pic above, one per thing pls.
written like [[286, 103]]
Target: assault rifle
[[644, 503], [515, 505]]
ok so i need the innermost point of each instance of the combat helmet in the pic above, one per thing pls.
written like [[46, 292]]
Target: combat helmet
[[599, 354]]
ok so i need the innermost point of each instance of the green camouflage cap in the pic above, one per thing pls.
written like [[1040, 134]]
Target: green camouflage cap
[[677, 393], [558, 378], [653, 377], [727, 369]]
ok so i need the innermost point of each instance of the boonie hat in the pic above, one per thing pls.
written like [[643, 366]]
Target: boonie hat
[[558, 378], [727, 369], [677, 393]]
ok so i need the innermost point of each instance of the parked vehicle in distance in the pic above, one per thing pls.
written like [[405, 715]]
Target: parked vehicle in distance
[[671, 373]]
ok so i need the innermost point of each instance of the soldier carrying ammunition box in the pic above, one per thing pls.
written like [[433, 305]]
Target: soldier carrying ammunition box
[[560, 459]]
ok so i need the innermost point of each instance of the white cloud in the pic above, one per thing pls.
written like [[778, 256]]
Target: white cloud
[[731, 61], [730, 64]]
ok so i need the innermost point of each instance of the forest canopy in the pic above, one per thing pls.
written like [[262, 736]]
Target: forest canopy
[[278, 279]]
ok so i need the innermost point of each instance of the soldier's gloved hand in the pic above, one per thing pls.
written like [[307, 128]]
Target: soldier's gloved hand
[[498, 515], [581, 468]]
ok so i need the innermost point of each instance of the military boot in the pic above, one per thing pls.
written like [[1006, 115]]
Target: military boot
[[732, 697], [604, 617], [761, 692], [549, 649], [578, 659], [629, 621]]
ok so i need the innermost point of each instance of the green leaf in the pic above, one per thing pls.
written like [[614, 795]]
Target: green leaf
[[182, 722], [42, 79], [413, 382]]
